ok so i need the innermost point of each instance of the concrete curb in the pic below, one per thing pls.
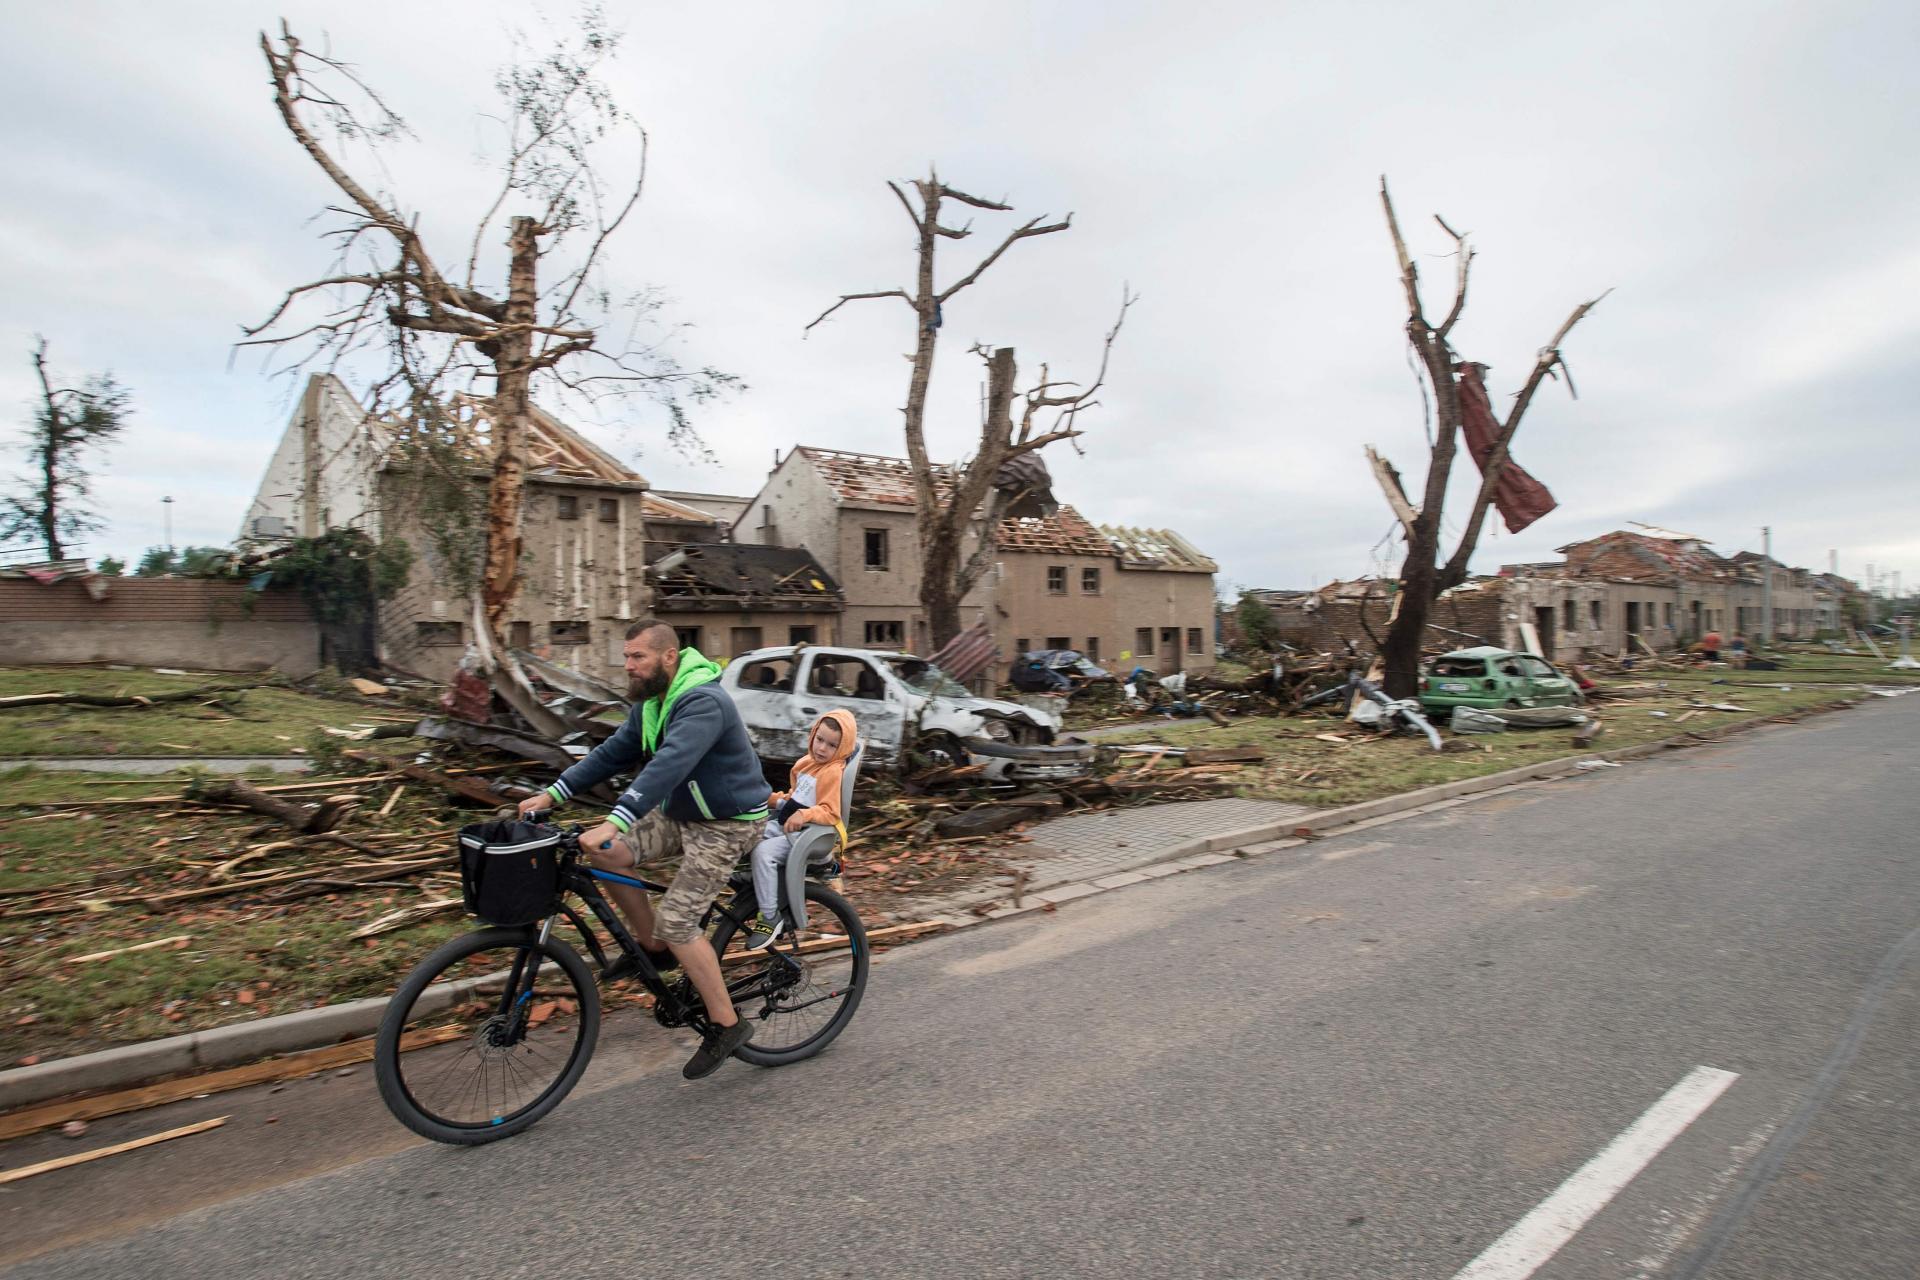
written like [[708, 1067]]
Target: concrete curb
[[312, 1028]]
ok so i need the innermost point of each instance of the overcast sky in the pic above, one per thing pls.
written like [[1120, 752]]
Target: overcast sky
[[1740, 175]]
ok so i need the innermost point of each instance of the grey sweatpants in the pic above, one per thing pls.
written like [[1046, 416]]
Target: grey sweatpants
[[768, 857]]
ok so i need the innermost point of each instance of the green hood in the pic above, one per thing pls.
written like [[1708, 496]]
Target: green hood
[[695, 669]]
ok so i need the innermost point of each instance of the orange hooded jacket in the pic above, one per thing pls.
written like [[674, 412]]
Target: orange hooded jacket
[[826, 808]]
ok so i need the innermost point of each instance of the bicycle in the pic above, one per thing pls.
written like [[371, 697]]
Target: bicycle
[[516, 1048]]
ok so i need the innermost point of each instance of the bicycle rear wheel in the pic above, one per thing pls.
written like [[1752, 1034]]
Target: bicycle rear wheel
[[798, 994], [511, 1023]]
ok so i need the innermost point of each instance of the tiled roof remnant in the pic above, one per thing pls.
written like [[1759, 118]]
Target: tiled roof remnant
[[1643, 557], [868, 477], [1065, 532], [1157, 549]]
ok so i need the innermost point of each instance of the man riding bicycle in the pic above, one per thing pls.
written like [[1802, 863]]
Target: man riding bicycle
[[701, 795]]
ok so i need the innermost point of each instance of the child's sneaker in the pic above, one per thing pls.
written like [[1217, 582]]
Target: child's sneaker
[[765, 929]]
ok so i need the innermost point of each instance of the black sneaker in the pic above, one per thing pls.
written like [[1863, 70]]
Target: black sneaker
[[716, 1049]]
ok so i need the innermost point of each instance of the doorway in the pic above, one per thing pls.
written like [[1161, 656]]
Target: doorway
[[1543, 627], [1633, 625], [1169, 650]]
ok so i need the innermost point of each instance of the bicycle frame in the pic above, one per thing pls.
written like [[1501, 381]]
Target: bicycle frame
[[675, 1004]]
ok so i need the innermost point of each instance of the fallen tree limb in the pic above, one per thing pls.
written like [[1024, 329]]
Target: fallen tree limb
[[127, 700], [308, 820]]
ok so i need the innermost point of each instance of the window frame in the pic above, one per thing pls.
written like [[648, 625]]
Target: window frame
[[1089, 579], [566, 506], [899, 633], [1056, 579], [876, 538], [555, 636]]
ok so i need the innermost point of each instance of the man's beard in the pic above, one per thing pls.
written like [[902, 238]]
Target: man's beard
[[645, 687]]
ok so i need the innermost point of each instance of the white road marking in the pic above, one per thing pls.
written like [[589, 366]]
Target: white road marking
[[1555, 1220]]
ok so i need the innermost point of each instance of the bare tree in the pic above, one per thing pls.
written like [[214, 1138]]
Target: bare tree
[[437, 331], [953, 502], [70, 420], [1458, 391]]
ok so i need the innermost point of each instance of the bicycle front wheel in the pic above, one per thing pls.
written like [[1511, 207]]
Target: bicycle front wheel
[[800, 992], [486, 1035]]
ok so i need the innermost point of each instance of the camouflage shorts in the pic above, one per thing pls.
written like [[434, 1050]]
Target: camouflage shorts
[[708, 853]]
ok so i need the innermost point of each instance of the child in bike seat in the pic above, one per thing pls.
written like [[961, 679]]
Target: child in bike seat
[[813, 796]]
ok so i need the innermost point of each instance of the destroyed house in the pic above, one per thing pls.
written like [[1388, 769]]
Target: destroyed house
[[728, 598], [589, 527], [1122, 596]]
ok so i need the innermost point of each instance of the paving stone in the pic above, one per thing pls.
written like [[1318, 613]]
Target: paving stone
[[1066, 892]]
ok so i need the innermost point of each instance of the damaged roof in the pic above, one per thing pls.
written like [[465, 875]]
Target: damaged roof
[[1065, 532], [733, 575], [1156, 549], [1641, 556], [868, 477]]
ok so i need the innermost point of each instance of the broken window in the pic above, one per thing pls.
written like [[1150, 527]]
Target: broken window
[[1669, 617], [566, 633], [1459, 667], [1196, 640], [877, 549], [687, 637], [1022, 645], [801, 635], [1093, 649], [1090, 581], [520, 635], [437, 632], [1056, 579], [1568, 620], [1143, 641], [886, 633], [743, 640], [566, 506], [1059, 642], [768, 675], [841, 677], [1593, 606], [609, 511]]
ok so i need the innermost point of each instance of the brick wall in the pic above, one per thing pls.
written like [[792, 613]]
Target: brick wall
[[171, 622]]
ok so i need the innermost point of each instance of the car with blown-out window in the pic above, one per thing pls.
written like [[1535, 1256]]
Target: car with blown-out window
[[1488, 677], [910, 713]]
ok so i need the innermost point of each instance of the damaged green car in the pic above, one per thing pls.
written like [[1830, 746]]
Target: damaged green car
[[1488, 677]]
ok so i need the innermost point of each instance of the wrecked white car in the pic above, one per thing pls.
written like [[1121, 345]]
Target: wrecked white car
[[909, 712]]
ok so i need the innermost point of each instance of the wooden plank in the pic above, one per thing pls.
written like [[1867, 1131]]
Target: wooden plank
[[834, 942], [67, 1162], [1226, 755], [155, 945], [61, 1110]]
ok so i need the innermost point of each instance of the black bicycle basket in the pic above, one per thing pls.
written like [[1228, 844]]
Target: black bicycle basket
[[509, 871]]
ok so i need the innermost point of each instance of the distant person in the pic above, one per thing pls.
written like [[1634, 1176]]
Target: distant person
[[1738, 651], [1710, 646]]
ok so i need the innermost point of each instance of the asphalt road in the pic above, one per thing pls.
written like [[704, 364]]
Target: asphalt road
[[1371, 1056]]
